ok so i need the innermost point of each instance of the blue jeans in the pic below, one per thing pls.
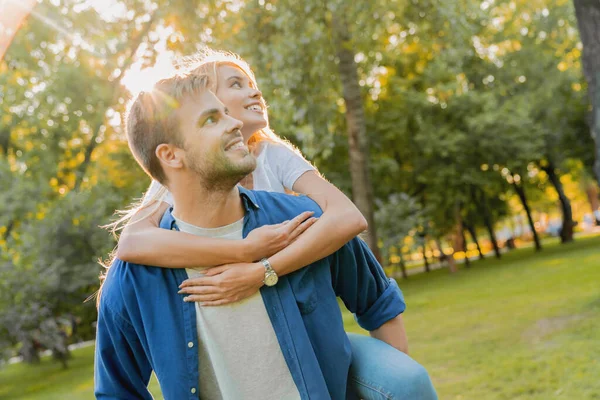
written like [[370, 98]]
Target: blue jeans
[[379, 371]]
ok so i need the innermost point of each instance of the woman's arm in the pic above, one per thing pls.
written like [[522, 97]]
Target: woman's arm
[[393, 333], [143, 242], [340, 222]]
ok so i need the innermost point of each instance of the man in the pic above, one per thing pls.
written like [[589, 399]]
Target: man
[[287, 342]]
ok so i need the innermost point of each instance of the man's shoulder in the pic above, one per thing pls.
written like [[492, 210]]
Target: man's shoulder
[[288, 204], [114, 278], [120, 283]]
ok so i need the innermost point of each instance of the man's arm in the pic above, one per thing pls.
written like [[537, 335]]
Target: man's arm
[[376, 300], [121, 368]]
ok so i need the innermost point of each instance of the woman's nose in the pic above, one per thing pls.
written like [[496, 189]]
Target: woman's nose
[[256, 93]]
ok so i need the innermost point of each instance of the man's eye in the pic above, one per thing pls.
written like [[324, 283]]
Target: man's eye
[[210, 120]]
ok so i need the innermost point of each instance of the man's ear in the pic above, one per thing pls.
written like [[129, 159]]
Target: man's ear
[[170, 155]]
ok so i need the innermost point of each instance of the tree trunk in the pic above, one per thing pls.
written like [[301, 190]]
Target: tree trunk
[[521, 193], [460, 241], [588, 20], [442, 257], [566, 232], [487, 221], [473, 234], [490, 228], [29, 351], [445, 257], [9, 228], [362, 190], [4, 141], [402, 265], [464, 248], [425, 257]]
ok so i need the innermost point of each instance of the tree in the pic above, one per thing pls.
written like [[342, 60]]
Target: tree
[[310, 41], [588, 19], [397, 218], [463, 106], [63, 161], [355, 118]]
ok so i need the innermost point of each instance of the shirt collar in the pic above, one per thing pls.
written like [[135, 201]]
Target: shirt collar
[[248, 199]]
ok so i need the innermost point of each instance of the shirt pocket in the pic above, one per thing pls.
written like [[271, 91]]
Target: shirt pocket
[[305, 290]]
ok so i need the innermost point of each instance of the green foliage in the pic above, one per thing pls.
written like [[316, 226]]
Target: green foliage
[[45, 284], [460, 98], [396, 218]]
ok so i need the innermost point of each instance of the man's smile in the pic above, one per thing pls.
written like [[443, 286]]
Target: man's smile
[[236, 144]]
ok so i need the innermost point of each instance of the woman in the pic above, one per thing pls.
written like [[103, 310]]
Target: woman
[[289, 246]]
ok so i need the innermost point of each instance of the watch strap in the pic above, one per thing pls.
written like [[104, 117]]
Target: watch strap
[[268, 268]]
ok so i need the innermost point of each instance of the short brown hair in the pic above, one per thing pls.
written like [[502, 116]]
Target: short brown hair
[[151, 119]]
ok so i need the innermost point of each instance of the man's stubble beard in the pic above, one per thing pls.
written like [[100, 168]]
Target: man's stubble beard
[[217, 172]]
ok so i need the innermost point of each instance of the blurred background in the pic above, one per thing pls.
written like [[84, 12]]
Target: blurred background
[[464, 131]]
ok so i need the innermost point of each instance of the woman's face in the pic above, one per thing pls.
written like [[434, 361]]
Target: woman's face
[[242, 98]]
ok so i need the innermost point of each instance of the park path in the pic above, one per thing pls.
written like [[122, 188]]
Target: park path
[[490, 253], [44, 353], [439, 265]]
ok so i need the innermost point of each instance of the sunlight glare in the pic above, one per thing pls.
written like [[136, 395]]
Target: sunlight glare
[[137, 79], [109, 10]]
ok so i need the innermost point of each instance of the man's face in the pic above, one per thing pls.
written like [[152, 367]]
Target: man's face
[[214, 147]]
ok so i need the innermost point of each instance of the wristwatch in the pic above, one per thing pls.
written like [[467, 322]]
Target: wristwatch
[[271, 277]]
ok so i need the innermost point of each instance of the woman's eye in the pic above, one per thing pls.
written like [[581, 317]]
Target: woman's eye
[[236, 85]]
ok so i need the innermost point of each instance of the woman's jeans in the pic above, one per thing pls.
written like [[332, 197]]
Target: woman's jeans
[[379, 371]]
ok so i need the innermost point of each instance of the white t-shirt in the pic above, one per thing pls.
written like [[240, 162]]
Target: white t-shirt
[[239, 355], [277, 168]]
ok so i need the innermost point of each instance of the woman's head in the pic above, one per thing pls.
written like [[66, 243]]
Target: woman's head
[[232, 80], [235, 85]]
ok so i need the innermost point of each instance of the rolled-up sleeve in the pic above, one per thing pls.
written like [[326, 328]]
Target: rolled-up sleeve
[[361, 283], [389, 304]]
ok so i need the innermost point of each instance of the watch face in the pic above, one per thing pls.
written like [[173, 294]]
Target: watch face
[[271, 279]]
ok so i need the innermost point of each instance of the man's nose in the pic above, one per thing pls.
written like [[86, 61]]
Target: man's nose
[[234, 124]]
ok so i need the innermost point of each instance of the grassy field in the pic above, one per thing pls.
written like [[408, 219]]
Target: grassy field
[[524, 327]]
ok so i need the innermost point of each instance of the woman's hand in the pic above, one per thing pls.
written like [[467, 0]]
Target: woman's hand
[[270, 239], [230, 283], [224, 284]]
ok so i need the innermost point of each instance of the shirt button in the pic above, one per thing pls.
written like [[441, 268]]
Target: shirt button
[[191, 344], [193, 390]]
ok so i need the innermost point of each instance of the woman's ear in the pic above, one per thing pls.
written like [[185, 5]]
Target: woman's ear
[[169, 155]]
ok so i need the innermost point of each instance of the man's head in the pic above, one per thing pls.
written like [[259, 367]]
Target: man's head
[[181, 128]]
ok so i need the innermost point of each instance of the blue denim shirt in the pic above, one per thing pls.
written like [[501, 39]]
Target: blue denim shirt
[[144, 325]]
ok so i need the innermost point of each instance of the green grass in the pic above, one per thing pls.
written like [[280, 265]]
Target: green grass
[[524, 327], [49, 381]]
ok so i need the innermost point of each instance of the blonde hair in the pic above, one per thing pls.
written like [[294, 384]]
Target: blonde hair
[[204, 64]]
